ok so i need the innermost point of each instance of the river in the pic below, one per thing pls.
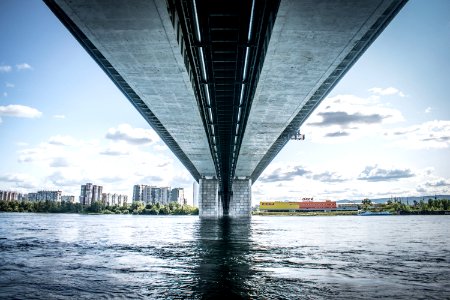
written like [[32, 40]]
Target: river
[[67, 256]]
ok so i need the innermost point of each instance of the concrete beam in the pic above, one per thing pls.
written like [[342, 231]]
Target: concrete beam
[[135, 41], [313, 44]]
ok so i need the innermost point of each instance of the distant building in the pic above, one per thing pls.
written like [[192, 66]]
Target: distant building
[[70, 199], [177, 195], [347, 206], [152, 194], [165, 195], [90, 193], [123, 199], [138, 191], [326, 205], [114, 199], [147, 194], [106, 198], [156, 195], [32, 196], [10, 196], [54, 196]]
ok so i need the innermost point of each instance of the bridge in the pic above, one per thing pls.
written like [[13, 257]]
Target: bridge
[[225, 83]]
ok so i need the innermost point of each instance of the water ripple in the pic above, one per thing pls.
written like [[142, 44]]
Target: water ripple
[[104, 257]]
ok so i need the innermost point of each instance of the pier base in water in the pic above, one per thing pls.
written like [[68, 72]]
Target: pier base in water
[[211, 205]]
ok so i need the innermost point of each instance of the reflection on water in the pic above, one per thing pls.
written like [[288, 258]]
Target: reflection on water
[[61, 256], [224, 248]]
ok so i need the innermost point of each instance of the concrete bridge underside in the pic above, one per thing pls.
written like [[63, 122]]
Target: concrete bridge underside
[[225, 83]]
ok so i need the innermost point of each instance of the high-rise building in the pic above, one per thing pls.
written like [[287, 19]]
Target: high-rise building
[[156, 195], [70, 199], [10, 196], [177, 195], [97, 193], [106, 198], [90, 193], [147, 194], [152, 194], [114, 199], [165, 195], [138, 191], [54, 196], [122, 200]]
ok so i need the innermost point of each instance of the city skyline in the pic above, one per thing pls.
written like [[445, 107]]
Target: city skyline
[[384, 130], [90, 192]]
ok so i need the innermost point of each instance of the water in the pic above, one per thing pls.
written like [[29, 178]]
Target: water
[[62, 256]]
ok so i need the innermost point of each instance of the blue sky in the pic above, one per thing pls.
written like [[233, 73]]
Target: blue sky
[[383, 131]]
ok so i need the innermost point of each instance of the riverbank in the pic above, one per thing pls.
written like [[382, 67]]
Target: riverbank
[[97, 208], [306, 213], [343, 213]]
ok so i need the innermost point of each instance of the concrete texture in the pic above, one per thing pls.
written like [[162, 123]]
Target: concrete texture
[[309, 40], [139, 41], [241, 201], [209, 203], [311, 46]]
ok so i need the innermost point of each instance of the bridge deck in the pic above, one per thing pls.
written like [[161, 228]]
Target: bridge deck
[[225, 83]]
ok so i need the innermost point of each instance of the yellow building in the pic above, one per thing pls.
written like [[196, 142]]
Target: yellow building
[[278, 205]]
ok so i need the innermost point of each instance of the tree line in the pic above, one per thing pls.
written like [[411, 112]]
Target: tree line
[[137, 208], [430, 206]]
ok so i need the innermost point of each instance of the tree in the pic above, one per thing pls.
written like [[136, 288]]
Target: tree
[[366, 203], [96, 207]]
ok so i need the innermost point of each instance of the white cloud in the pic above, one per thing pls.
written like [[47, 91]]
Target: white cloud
[[438, 183], [135, 136], [23, 66], [376, 174], [428, 110], [115, 151], [353, 180], [9, 85], [5, 68], [59, 116], [284, 173], [386, 91], [428, 135], [18, 180], [98, 162], [63, 140], [161, 147], [64, 180], [5, 94], [112, 179], [20, 111], [30, 155], [433, 186], [59, 162], [348, 117], [13, 177]]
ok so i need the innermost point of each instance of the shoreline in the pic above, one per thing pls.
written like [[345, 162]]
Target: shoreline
[[307, 213]]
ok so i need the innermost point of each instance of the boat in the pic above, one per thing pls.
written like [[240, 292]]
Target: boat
[[374, 213]]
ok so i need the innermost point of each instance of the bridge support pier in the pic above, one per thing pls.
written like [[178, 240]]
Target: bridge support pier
[[241, 199], [209, 202]]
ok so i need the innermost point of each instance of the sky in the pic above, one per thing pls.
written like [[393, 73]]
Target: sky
[[384, 130]]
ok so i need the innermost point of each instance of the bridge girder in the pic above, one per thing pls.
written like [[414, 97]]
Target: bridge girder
[[225, 83]]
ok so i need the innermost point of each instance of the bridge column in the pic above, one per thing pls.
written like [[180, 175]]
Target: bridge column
[[241, 200], [209, 202]]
